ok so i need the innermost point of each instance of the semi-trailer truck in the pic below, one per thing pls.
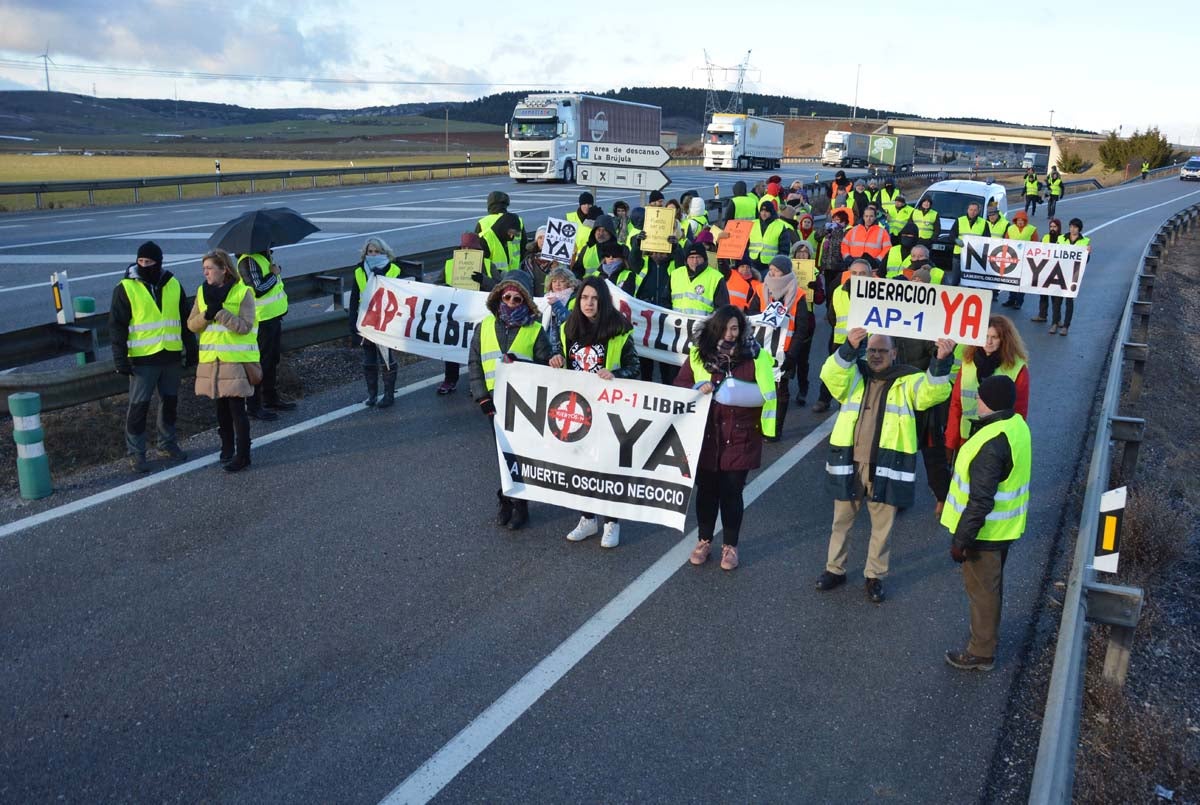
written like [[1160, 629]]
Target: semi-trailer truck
[[848, 149], [546, 129], [743, 142]]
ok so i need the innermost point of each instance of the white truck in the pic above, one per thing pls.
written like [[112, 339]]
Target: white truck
[[848, 149], [546, 129], [743, 142]]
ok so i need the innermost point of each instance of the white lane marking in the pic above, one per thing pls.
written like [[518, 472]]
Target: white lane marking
[[1095, 229], [50, 259], [12, 226], [159, 236], [373, 220], [435, 773], [258, 442], [70, 220], [183, 210], [135, 215]]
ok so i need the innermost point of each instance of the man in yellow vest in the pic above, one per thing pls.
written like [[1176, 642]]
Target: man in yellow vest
[[873, 446], [969, 224], [147, 323], [1032, 192], [1054, 184], [697, 287], [580, 213], [986, 512], [926, 219], [1145, 169], [742, 206], [769, 236], [261, 273], [898, 214], [512, 330]]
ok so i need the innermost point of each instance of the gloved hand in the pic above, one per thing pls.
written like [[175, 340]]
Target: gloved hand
[[958, 554], [789, 363], [487, 406], [210, 310], [477, 276], [123, 367]]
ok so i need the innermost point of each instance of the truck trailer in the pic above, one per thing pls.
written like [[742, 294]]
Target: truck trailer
[[546, 129], [743, 142], [847, 149]]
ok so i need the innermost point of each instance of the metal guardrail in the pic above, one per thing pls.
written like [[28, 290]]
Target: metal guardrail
[[1088, 600], [40, 189]]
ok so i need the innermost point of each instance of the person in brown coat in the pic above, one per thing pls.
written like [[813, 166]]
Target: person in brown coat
[[733, 437], [228, 383]]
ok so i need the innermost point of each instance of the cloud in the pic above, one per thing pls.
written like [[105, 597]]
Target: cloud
[[253, 37]]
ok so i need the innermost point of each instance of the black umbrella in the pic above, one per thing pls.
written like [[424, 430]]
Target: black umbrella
[[259, 230]]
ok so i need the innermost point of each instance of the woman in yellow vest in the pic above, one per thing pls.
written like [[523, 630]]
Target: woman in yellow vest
[[742, 412], [595, 338], [784, 293], [1003, 353], [223, 315], [376, 259], [512, 328], [1060, 322]]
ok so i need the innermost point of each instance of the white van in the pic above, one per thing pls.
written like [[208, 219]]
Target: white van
[[950, 199]]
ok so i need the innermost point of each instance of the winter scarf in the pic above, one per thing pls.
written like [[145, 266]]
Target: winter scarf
[[517, 316], [782, 289]]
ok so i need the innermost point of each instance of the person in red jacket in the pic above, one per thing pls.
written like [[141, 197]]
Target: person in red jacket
[[1003, 353], [733, 437]]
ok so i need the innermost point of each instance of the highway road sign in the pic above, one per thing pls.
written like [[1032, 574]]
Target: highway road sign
[[627, 178], [623, 154]]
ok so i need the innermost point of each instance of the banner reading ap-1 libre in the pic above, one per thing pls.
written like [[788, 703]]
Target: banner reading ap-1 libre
[[919, 310], [1024, 266], [619, 448]]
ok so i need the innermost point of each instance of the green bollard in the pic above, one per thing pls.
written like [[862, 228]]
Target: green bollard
[[84, 306], [33, 467]]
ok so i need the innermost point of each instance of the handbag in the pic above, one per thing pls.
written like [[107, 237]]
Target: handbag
[[254, 372]]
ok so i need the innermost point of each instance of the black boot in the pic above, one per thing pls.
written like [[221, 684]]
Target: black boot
[[780, 416], [520, 514], [371, 374], [226, 446], [389, 389], [506, 509]]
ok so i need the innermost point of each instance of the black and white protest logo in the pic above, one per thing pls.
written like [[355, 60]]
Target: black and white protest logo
[[569, 416], [1002, 259]]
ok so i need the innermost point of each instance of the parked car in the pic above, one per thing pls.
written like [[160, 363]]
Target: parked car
[[950, 198], [1190, 169]]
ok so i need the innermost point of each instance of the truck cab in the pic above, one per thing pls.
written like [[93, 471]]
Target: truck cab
[[541, 139], [950, 199]]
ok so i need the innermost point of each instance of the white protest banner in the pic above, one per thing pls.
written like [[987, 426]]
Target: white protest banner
[[424, 319], [919, 310], [618, 448], [665, 335], [1049, 269], [435, 321], [559, 244]]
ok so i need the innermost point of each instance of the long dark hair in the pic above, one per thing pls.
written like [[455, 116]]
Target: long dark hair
[[713, 333], [609, 321]]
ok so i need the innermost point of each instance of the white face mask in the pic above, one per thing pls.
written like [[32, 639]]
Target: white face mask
[[375, 261]]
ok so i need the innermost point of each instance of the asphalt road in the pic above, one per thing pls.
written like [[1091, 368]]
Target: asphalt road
[[94, 245], [318, 628]]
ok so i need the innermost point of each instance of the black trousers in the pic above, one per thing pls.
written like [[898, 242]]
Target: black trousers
[[270, 333], [1031, 203], [666, 371], [802, 368], [233, 426], [451, 373], [720, 491], [1051, 203]]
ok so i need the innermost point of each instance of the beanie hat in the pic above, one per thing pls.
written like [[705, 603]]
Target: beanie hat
[[696, 248], [610, 248], [656, 195], [151, 250], [586, 198], [998, 392], [784, 264], [696, 207]]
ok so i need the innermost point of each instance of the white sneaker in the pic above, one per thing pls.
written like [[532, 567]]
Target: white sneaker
[[612, 535], [586, 528]]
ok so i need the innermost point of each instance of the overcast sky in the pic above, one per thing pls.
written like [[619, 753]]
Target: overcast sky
[[1098, 65]]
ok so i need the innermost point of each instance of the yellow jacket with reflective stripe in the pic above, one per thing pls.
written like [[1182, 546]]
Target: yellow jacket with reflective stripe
[[393, 270], [765, 245], [841, 312], [219, 342], [1055, 184], [153, 330], [1006, 521], [274, 303], [612, 349], [489, 347], [926, 223], [895, 453], [965, 227], [745, 207], [694, 295], [897, 218], [764, 378]]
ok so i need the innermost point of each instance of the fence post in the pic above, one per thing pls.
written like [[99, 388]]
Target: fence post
[[91, 197], [1131, 431], [33, 467], [137, 197]]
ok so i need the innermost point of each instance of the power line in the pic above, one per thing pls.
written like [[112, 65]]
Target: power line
[[93, 69]]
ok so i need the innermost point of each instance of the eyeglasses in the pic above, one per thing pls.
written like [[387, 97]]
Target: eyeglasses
[[513, 297]]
